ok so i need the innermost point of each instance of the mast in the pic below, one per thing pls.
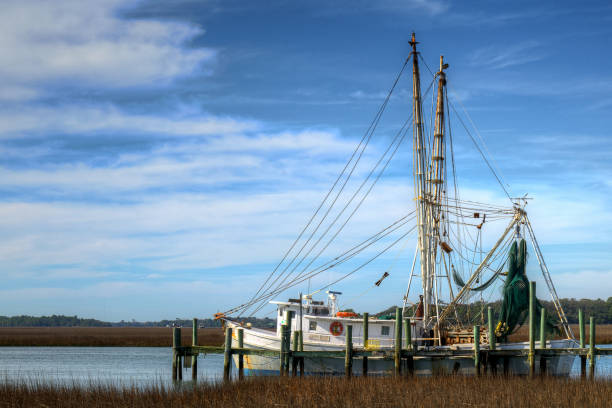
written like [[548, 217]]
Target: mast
[[420, 170]]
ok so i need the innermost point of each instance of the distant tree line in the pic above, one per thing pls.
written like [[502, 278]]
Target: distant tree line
[[598, 308]]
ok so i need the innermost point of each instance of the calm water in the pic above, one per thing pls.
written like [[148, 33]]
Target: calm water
[[140, 366]]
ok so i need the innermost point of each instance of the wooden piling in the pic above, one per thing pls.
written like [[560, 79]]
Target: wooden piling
[[194, 357], [592, 347], [532, 326], [543, 340], [227, 355], [348, 355], [283, 350], [294, 361], [176, 342], [366, 321], [477, 349], [491, 328], [240, 356], [582, 343], [301, 349], [398, 341], [409, 345]]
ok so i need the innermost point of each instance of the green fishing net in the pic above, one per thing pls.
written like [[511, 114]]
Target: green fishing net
[[515, 303]]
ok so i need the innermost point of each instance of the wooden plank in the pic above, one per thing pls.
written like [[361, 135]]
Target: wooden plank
[[240, 356], [348, 353]]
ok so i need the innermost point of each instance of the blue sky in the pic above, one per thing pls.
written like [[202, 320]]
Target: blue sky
[[159, 157]]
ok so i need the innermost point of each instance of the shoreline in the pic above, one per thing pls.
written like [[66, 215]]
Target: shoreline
[[162, 336]]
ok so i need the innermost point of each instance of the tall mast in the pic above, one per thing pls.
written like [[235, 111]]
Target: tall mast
[[420, 170], [435, 183]]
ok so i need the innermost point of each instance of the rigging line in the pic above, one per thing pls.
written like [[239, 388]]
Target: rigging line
[[481, 153], [404, 129], [370, 260], [336, 261], [333, 260], [368, 131], [362, 199], [471, 137], [402, 249], [304, 278], [482, 141]]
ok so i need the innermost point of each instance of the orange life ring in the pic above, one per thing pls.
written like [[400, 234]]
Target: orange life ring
[[346, 314], [336, 328]]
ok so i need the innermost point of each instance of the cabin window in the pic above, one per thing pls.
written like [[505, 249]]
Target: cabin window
[[292, 314], [312, 325], [384, 330]]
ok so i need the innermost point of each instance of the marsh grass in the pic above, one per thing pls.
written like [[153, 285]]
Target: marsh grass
[[103, 336], [451, 391]]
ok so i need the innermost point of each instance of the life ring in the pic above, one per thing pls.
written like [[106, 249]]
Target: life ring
[[346, 314], [336, 328]]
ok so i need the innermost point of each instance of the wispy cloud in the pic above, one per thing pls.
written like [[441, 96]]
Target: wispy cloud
[[504, 56], [87, 45]]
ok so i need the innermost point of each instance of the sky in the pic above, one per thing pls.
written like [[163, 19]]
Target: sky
[[158, 158]]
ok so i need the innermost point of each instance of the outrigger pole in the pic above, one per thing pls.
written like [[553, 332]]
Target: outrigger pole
[[546, 274], [517, 218]]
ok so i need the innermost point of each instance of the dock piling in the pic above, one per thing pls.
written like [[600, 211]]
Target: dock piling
[[398, 341], [294, 360], [301, 349], [348, 355], [227, 355], [532, 326], [477, 349], [592, 347], [409, 345], [176, 342], [194, 357], [240, 356], [366, 320], [582, 343], [543, 340], [491, 328]]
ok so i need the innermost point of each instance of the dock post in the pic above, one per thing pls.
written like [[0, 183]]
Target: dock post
[[492, 340], [543, 340], [240, 356], [532, 326], [592, 348], [477, 349], [194, 356], [366, 321], [301, 349], [348, 355], [176, 342], [409, 346], [288, 319], [283, 348], [398, 341], [227, 355], [294, 361], [582, 343]]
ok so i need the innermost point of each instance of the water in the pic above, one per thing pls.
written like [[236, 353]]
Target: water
[[130, 366]]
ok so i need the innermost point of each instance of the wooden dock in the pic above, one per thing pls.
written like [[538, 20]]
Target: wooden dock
[[291, 356]]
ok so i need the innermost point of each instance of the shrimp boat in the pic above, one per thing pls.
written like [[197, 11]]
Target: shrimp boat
[[458, 279]]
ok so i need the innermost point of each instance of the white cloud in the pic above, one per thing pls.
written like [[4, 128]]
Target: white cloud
[[504, 56], [87, 44], [71, 119]]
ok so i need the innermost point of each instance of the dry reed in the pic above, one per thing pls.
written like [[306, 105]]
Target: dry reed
[[436, 392], [104, 336]]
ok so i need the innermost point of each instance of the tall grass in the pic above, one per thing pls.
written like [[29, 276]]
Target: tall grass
[[104, 336], [436, 392]]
